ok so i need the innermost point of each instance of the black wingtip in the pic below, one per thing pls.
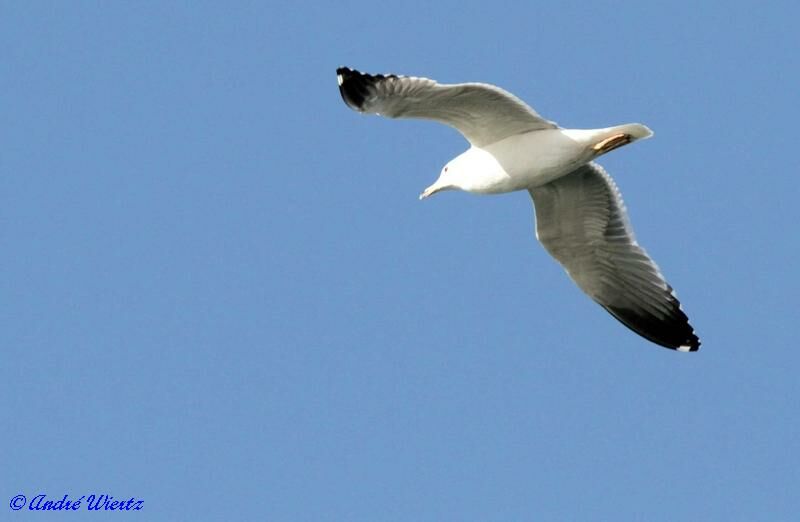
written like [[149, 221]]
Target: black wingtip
[[354, 86], [343, 73], [672, 332]]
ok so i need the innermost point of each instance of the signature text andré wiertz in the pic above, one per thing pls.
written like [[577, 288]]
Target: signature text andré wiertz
[[91, 502]]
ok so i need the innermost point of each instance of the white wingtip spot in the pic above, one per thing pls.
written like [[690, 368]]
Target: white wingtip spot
[[339, 79], [684, 348]]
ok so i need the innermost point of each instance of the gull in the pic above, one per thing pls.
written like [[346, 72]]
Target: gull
[[581, 219]]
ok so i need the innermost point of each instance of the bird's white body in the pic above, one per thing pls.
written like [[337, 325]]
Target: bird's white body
[[506, 166]]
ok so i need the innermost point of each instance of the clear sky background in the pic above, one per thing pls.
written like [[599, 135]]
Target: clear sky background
[[221, 295]]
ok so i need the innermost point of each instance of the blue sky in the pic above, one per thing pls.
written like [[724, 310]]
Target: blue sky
[[220, 293]]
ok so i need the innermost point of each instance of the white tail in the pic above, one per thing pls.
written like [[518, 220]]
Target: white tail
[[636, 131]]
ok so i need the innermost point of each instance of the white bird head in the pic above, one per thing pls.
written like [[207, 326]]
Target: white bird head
[[446, 180], [475, 170]]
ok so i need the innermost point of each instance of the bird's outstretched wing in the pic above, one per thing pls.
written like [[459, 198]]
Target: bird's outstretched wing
[[482, 113], [582, 222]]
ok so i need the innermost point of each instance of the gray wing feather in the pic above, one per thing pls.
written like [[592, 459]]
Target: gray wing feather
[[582, 222], [481, 112]]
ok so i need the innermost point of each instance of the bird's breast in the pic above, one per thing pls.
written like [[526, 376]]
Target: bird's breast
[[537, 157]]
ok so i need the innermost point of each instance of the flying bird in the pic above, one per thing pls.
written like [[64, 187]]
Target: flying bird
[[580, 217]]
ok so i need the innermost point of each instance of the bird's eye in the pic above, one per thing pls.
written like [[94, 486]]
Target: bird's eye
[[445, 169]]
